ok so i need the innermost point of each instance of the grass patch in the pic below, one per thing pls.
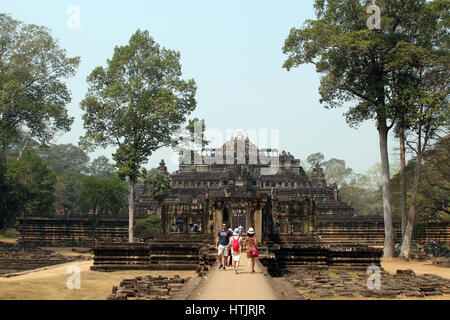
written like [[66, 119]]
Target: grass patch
[[11, 236], [51, 284]]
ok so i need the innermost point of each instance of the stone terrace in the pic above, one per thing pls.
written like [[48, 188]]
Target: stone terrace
[[333, 283], [15, 258]]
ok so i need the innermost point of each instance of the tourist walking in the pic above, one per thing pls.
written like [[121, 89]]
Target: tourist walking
[[236, 249], [222, 242], [229, 262], [251, 248]]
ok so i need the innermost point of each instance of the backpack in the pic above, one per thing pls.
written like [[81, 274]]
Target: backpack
[[236, 244]]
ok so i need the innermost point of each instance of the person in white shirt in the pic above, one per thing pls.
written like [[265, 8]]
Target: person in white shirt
[[236, 249]]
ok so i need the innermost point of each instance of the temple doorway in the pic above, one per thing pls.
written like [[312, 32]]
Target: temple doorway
[[180, 224], [239, 218], [226, 216]]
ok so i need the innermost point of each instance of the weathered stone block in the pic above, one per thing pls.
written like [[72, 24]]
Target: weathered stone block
[[158, 291]]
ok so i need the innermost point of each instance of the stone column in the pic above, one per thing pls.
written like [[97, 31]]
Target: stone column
[[205, 217], [218, 217], [164, 219], [248, 217], [258, 222], [229, 220]]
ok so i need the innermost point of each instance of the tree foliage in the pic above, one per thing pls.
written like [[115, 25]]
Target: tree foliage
[[33, 92], [371, 71], [433, 196], [315, 159], [335, 171], [159, 186], [363, 194], [101, 167], [135, 104], [30, 186], [148, 227], [102, 196], [65, 159], [71, 186]]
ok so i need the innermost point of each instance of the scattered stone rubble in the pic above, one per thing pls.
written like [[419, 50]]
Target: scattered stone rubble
[[316, 283], [442, 262], [16, 258], [148, 288]]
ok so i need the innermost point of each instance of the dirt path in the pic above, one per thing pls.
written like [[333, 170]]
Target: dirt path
[[51, 283], [226, 285], [391, 265], [49, 272]]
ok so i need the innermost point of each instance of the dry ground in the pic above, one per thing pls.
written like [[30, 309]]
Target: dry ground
[[391, 265], [50, 284], [67, 251], [11, 236]]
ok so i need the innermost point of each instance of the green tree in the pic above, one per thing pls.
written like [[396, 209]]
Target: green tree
[[367, 67], [148, 227], [159, 187], [33, 92], [431, 114], [70, 197], [5, 213], [361, 195], [30, 186], [335, 171], [101, 167], [312, 161], [196, 129], [135, 104], [102, 196], [17, 141], [191, 141], [435, 185], [65, 159], [315, 159]]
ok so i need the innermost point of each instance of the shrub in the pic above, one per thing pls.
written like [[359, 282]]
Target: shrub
[[147, 228]]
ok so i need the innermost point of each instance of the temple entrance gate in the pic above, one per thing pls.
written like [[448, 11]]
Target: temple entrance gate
[[236, 211], [239, 218]]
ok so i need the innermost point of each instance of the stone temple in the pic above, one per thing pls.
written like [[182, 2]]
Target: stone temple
[[299, 220], [247, 186]]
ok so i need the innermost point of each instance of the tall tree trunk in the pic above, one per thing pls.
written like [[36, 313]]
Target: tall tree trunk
[[406, 244], [131, 210], [403, 182], [4, 157], [388, 229]]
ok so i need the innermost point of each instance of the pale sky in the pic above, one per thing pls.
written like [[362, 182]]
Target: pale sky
[[233, 50]]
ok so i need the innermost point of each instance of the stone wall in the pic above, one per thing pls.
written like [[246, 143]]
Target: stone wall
[[15, 258], [369, 230], [289, 256], [72, 231], [175, 252]]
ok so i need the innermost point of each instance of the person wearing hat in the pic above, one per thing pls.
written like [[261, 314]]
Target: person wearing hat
[[236, 249], [251, 248]]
